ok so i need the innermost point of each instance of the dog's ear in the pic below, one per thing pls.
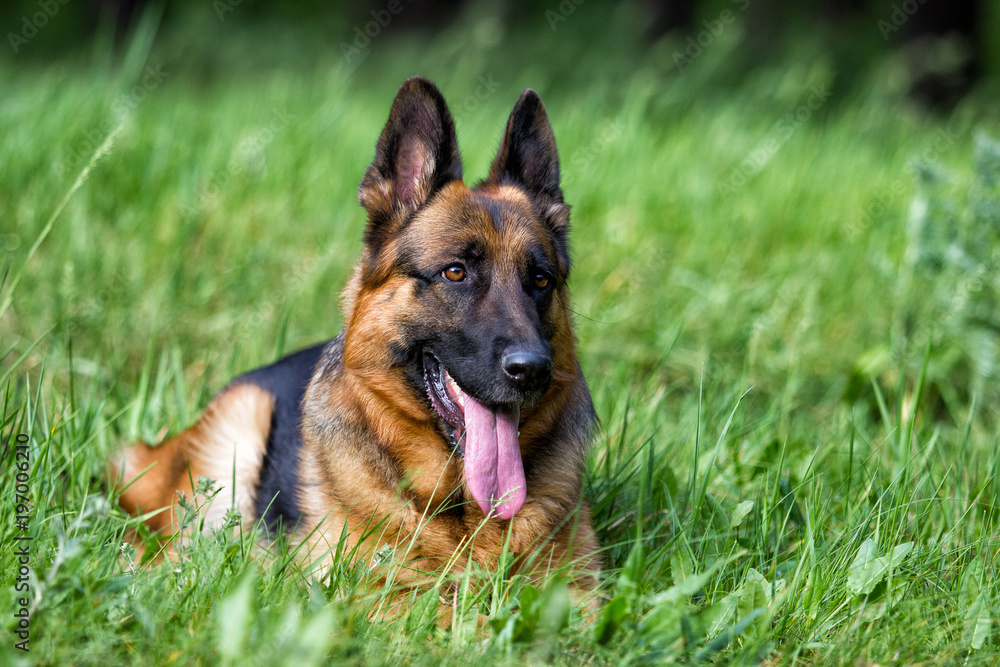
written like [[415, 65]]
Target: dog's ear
[[527, 158], [416, 155]]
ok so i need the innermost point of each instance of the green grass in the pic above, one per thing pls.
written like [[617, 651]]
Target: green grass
[[771, 425]]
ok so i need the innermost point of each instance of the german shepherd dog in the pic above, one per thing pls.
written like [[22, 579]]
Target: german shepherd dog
[[450, 418]]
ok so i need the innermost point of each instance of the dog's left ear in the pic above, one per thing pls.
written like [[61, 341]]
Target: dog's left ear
[[527, 158], [416, 155]]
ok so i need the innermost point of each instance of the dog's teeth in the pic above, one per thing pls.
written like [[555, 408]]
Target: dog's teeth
[[457, 393], [453, 389]]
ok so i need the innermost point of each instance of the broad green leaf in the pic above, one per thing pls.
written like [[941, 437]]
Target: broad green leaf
[[722, 641], [978, 622], [754, 575], [423, 614], [611, 619], [723, 613], [290, 623], [662, 624], [971, 582], [866, 571], [316, 636], [631, 575], [719, 518], [527, 616], [740, 512], [898, 555], [681, 565], [752, 598], [681, 591], [553, 609], [529, 601], [771, 589], [873, 611], [234, 618]]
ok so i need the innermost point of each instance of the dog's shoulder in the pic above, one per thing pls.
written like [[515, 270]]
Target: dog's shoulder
[[286, 381]]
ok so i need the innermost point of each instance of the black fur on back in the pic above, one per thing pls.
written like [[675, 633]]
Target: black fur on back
[[286, 380]]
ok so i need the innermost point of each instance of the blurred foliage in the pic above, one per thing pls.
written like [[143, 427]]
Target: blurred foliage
[[947, 321]]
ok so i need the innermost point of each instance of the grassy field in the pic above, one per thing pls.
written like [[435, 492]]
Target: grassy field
[[786, 296]]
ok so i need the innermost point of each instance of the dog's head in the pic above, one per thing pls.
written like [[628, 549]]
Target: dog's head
[[461, 293]]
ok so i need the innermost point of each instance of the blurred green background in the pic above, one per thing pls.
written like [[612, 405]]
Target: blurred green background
[[786, 231], [733, 136]]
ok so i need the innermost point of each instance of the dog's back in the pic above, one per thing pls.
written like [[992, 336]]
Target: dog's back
[[247, 441]]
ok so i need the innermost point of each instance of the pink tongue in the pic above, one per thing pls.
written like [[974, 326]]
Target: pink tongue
[[493, 468]]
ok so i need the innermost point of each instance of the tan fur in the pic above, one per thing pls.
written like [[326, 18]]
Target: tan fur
[[227, 445]]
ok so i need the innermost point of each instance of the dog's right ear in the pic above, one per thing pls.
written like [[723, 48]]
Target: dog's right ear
[[416, 155]]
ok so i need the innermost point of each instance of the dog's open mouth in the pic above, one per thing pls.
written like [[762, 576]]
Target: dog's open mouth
[[487, 438]]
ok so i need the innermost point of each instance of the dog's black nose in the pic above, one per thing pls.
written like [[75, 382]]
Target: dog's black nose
[[529, 371]]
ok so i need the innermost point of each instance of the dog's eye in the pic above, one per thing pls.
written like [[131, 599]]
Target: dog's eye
[[455, 273], [541, 280]]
